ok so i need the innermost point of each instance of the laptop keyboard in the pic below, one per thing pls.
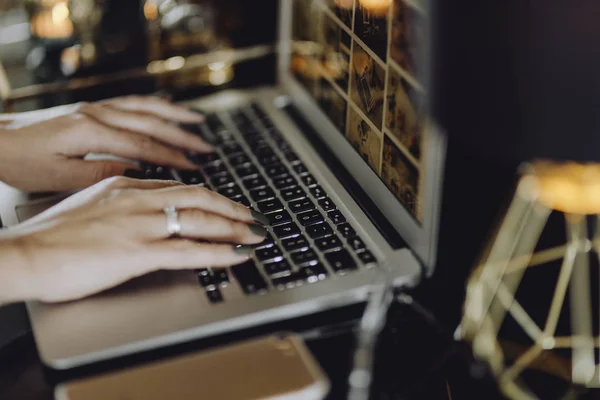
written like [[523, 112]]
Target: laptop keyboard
[[309, 239]]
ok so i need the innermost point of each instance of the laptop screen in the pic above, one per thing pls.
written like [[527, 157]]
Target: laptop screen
[[359, 62], [358, 69]]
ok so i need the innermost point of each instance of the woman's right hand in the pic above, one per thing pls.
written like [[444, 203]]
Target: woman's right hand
[[117, 230]]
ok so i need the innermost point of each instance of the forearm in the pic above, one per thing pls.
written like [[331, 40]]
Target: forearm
[[15, 284], [18, 120]]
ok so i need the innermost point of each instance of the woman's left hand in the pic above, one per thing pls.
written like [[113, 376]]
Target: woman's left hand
[[43, 151]]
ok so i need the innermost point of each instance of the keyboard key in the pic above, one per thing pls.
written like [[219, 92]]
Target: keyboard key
[[254, 183], [301, 205], [278, 218], [239, 159], [318, 192], [259, 145], [336, 217], [220, 275], [269, 206], [328, 243], [288, 281], [267, 122], [276, 170], [231, 191], [326, 204], [313, 273], [268, 159], [293, 194], [232, 148], [204, 159], [319, 230], [295, 243], [305, 257], [194, 128], [250, 133], [157, 172], [206, 280], [346, 230], [309, 180], [262, 194], [340, 260], [300, 169], [277, 269], [310, 217], [242, 200], [258, 111], [225, 136], [263, 150], [273, 132], [222, 180], [192, 177], [269, 253], [214, 296], [203, 271], [268, 242], [249, 278], [367, 257], [240, 119], [216, 169], [356, 243], [287, 230], [246, 171], [214, 123], [282, 143], [285, 181], [291, 156], [135, 174]]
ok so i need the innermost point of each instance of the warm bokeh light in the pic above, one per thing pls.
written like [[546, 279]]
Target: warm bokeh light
[[52, 22], [60, 13], [150, 11], [346, 4], [377, 8]]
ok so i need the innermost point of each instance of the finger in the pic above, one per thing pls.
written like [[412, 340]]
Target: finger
[[177, 254], [123, 182], [196, 197], [78, 174], [199, 224], [155, 106], [146, 124], [98, 138]]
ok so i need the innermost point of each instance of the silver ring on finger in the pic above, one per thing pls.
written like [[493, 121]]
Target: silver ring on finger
[[173, 224]]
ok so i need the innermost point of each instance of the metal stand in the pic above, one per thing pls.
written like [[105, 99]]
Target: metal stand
[[493, 285]]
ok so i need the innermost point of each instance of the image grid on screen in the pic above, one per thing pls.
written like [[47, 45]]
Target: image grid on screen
[[362, 67]]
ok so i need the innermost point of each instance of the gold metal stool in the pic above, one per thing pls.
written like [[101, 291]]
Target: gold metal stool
[[574, 191]]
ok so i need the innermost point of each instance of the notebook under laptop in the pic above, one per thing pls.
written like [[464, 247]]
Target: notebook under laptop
[[339, 190]]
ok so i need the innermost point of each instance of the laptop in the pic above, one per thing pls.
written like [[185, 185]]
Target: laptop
[[340, 156]]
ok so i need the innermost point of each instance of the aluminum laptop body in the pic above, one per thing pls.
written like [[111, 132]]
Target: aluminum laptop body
[[378, 137]]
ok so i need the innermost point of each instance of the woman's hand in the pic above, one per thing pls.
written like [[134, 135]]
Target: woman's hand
[[43, 151], [117, 230]]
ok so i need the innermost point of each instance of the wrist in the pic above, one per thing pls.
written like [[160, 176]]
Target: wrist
[[15, 280]]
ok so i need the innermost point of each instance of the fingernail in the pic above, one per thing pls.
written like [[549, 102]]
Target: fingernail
[[258, 230], [242, 250], [260, 218]]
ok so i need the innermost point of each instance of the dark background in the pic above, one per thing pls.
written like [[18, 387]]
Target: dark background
[[418, 359]]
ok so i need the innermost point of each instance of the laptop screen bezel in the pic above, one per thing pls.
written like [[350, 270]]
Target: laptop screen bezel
[[421, 237]]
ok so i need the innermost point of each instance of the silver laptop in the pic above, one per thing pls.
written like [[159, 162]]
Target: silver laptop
[[339, 155]]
